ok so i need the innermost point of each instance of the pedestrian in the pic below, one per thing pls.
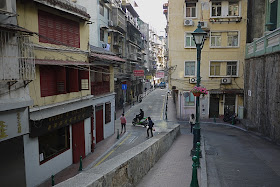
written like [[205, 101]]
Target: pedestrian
[[192, 121], [123, 123], [150, 127]]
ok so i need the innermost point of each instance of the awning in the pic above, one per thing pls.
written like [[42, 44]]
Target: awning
[[116, 31], [15, 28], [59, 62], [107, 57]]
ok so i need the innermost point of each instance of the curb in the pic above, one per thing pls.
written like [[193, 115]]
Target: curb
[[203, 170]]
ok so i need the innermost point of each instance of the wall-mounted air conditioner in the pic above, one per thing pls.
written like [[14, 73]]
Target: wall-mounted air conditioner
[[192, 80], [6, 6], [188, 22], [203, 24], [226, 81]]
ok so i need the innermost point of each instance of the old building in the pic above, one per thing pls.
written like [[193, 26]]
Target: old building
[[261, 91], [17, 70], [222, 56]]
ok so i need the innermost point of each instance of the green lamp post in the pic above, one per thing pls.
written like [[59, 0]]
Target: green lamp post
[[199, 36]]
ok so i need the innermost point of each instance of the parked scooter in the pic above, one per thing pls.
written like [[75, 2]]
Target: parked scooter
[[230, 118]]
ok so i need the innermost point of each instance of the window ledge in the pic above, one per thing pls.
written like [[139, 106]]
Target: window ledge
[[224, 47]]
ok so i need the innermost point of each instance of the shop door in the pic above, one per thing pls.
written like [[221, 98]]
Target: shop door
[[99, 123], [78, 141], [214, 106]]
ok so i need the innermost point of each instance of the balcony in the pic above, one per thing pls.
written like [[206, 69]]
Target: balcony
[[118, 18], [267, 44], [100, 88], [16, 56]]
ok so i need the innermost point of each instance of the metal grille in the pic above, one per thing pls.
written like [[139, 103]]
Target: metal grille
[[16, 57]]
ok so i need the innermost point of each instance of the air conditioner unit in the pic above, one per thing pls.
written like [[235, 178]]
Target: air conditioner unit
[[6, 6], [188, 22], [203, 24], [110, 23], [192, 80], [226, 81]]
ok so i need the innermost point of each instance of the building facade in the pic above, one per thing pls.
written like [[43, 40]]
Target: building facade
[[222, 56], [261, 98]]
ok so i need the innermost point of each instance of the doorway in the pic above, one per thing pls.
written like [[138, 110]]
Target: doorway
[[214, 106], [78, 141], [99, 123]]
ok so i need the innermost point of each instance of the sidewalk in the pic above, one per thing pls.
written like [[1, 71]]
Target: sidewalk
[[174, 168], [99, 150]]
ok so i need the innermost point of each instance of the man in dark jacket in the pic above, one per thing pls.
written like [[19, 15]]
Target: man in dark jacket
[[150, 127]]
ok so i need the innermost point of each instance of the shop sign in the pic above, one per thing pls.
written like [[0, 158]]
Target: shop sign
[[46, 125], [138, 73], [13, 123], [149, 77], [160, 74]]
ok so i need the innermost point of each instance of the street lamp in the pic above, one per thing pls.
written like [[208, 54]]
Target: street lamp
[[199, 36]]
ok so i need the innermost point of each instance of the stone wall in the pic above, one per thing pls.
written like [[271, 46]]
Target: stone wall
[[262, 108], [128, 168]]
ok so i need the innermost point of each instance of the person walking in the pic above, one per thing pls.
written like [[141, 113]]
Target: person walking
[[150, 127], [192, 121], [123, 123]]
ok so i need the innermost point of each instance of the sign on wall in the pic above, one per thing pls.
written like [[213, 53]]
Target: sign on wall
[[160, 74], [149, 77], [138, 73], [13, 123]]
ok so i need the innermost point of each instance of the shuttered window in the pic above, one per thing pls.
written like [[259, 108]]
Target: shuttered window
[[107, 113], [84, 80], [58, 30], [47, 81]]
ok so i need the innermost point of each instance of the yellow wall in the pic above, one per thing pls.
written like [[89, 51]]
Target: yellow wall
[[178, 54], [28, 18]]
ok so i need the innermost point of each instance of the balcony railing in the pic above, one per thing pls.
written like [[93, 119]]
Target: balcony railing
[[119, 19], [267, 44], [16, 57]]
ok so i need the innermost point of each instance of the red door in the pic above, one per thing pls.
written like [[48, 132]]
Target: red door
[[78, 141], [92, 135], [99, 123]]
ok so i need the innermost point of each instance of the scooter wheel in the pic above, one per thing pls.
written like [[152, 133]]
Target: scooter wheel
[[133, 123]]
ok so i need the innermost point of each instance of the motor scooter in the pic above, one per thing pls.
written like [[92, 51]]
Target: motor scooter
[[143, 121]]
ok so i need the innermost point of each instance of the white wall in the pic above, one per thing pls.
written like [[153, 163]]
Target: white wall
[[36, 173], [108, 128]]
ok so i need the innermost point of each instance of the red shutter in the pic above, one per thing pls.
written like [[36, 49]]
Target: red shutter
[[58, 30], [47, 81], [73, 80], [61, 80]]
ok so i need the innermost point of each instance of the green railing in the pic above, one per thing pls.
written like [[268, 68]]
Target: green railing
[[267, 44]]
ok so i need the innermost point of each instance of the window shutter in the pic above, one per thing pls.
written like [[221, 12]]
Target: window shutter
[[42, 26], [84, 79], [61, 80], [47, 81], [73, 80]]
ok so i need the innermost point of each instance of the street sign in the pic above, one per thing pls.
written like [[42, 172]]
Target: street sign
[[124, 87], [160, 74]]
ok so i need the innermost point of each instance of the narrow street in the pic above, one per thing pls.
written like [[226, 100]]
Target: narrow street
[[237, 158], [153, 106]]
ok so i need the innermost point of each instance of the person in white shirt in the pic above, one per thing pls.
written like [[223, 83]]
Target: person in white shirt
[[192, 122]]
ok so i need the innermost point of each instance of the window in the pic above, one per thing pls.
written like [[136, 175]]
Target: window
[[189, 68], [233, 9], [56, 80], [190, 9], [108, 13], [232, 38], [189, 40], [101, 9], [273, 17], [101, 35], [100, 80], [107, 113], [53, 143], [188, 99], [215, 68], [58, 30], [232, 68], [216, 38], [216, 9]]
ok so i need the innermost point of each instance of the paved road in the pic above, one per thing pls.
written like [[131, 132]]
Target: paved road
[[153, 105], [236, 158]]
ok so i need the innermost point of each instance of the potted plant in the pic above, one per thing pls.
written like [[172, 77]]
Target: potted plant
[[197, 91]]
